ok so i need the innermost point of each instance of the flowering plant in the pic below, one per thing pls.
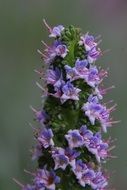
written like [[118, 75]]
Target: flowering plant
[[69, 146]]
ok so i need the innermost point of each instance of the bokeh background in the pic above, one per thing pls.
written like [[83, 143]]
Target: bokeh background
[[21, 31]]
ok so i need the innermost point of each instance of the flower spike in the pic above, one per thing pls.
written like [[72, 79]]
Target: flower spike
[[70, 148]]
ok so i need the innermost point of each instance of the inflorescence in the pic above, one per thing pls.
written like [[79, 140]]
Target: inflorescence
[[69, 146]]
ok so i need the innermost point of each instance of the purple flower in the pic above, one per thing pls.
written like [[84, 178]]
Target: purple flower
[[93, 54], [37, 152], [56, 31], [98, 92], [81, 68], [69, 92], [45, 138], [50, 54], [61, 50], [74, 138], [97, 147], [53, 76], [58, 88], [79, 169], [102, 151], [70, 73], [99, 182], [88, 41], [86, 134], [92, 78], [58, 91], [95, 142], [41, 115], [104, 118], [60, 159], [94, 110], [46, 179], [91, 111], [57, 49], [87, 178], [72, 155], [79, 71]]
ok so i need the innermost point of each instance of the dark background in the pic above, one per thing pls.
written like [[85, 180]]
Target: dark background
[[21, 31]]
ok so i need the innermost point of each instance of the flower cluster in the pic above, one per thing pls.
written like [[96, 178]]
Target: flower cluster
[[91, 47], [90, 75], [87, 176], [43, 179], [96, 111], [69, 147], [93, 142]]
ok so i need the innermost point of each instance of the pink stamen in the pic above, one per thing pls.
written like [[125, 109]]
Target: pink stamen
[[111, 148], [106, 51], [47, 26], [40, 87], [44, 44], [43, 55], [18, 183], [34, 110], [108, 102], [113, 122], [113, 108], [28, 172], [103, 73], [112, 156], [104, 91]]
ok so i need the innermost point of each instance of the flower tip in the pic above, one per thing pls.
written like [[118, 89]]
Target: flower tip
[[18, 183], [46, 24], [31, 107], [28, 172]]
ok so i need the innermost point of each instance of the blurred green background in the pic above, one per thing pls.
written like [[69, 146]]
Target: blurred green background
[[21, 31]]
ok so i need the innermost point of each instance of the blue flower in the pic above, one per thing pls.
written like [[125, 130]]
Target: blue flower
[[70, 73], [46, 179], [102, 151], [40, 115], [87, 177], [86, 134], [81, 68], [53, 76], [99, 182], [61, 50], [79, 168], [45, 138], [37, 152], [69, 92], [98, 147], [57, 49], [56, 31], [72, 154], [74, 138], [60, 159], [92, 78], [94, 110], [93, 55], [88, 41]]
